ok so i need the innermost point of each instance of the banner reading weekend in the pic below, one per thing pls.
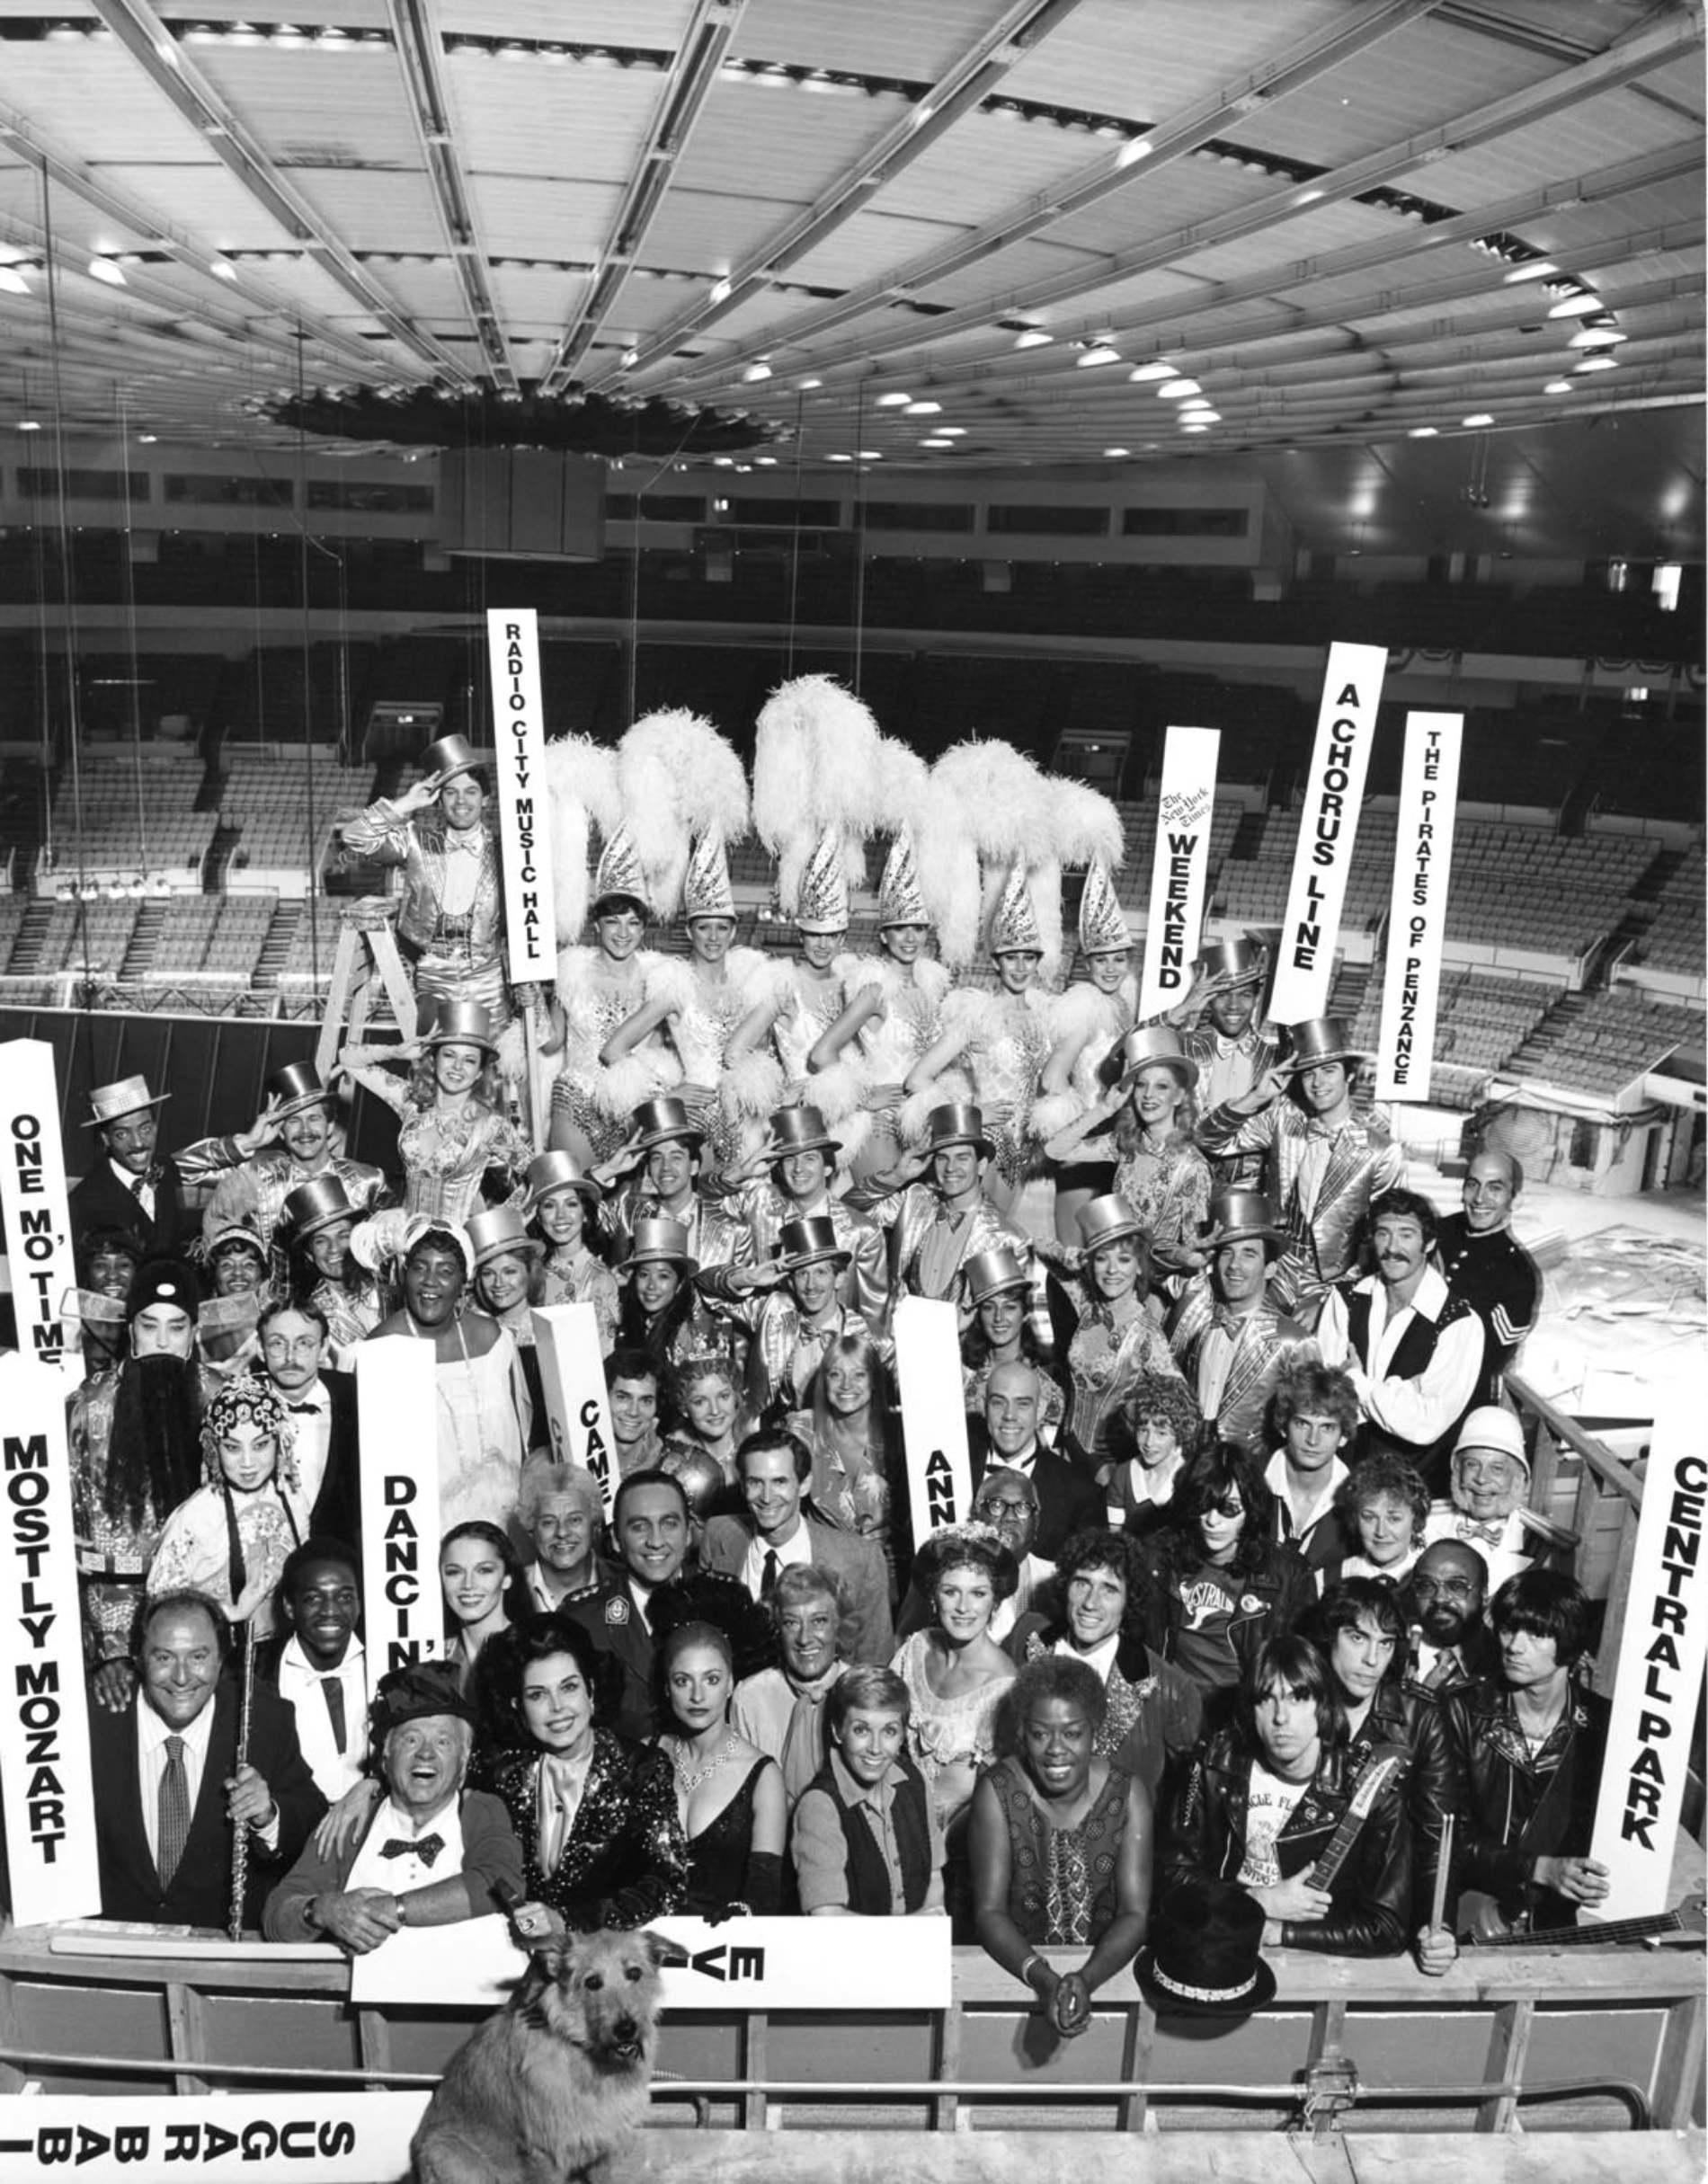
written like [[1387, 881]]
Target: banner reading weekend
[[1327, 825], [1417, 909], [519, 728], [1181, 866]]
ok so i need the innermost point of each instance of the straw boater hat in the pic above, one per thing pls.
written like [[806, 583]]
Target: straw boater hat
[[1106, 1220], [898, 900], [1317, 1040], [659, 1242], [296, 1086], [987, 1274], [499, 1230], [549, 1172], [317, 1205], [957, 1123], [660, 1121], [802, 1243], [461, 1024], [1203, 1958], [126, 1096], [1103, 926], [450, 756], [1151, 1044], [1240, 960], [1495, 1431], [1237, 1215], [796, 1130]]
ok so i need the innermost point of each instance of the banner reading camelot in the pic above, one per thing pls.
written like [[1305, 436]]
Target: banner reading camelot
[[1181, 866], [1328, 824], [1418, 908], [519, 728]]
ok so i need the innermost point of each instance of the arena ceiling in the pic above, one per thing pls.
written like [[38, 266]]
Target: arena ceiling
[[924, 231]]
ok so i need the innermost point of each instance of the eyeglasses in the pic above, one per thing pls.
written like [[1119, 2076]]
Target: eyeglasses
[[1228, 1508]]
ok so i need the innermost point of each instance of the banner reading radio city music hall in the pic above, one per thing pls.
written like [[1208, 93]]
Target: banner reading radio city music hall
[[44, 1707], [524, 831], [1418, 908], [1328, 825], [1181, 868]]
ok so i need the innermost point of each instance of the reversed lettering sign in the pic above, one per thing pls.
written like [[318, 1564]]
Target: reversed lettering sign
[[33, 1203], [397, 1419], [512, 645], [44, 1713], [1328, 824], [1418, 908], [928, 1374], [1658, 1683], [328, 2138], [1181, 866], [572, 1376]]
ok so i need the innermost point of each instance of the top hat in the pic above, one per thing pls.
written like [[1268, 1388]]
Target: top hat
[[496, 1230], [898, 900], [1319, 1039], [822, 904], [957, 1123], [317, 1205], [1106, 1220], [128, 1096], [461, 1024], [296, 1086], [658, 1122], [797, 1129], [1202, 1959], [450, 756], [659, 1242], [1103, 926], [560, 1171], [1237, 1215], [1239, 961], [987, 1274], [1490, 1427], [1149, 1043], [619, 882], [801, 1243]]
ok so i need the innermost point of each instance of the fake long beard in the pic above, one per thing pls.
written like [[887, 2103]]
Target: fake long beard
[[153, 1461]]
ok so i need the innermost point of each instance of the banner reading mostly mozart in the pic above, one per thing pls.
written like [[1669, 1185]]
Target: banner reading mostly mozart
[[572, 1378], [397, 1423], [44, 1713], [1657, 1686], [1181, 866], [928, 1377], [1417, 909], [524, 835], [1327, 827]]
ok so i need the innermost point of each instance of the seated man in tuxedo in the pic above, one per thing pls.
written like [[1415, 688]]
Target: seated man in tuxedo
[[1068, 1499], [432, 1852], [295, 1359], [169, 1790], [779, 1530]]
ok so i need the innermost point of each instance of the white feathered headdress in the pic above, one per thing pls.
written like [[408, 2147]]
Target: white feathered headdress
[[678, 780], [817, 773], [580, 790]]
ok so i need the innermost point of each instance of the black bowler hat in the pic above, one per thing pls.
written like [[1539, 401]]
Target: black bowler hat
[[1202, 1959]]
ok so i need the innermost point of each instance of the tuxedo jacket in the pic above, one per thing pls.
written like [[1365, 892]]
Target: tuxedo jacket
[[337, 1508], [1267, 1345], [858, 1563], [1070, 1499], [201, 1890], [101, 1201]]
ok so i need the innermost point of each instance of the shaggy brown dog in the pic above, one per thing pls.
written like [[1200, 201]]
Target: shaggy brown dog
[[551, 2085]]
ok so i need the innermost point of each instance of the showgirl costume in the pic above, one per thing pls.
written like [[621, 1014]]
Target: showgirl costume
[[598, 996], [445, 1155]]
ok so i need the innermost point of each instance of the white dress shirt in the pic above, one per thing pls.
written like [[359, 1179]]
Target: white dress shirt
[[144, 1194], [401, 1875], [152, 1732], [303, 1684], [797, 1549]]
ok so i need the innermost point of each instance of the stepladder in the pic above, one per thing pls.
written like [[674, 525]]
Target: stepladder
[[366, 971]]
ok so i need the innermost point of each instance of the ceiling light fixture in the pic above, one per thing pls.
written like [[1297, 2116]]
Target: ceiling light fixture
[[1422, 432], [937, 440], [1175, 390], [1596, 337], [1536, 269], [1142, 375], [103, 269], [754, 373], [13, 281], [953, 432], [1583, 305], [923, 409], [1136, 147], [896, 401], [1597, 363], [1099, 352], [806, 386], [1034, 337], [1481, 417], [721, 290], [1115, 454], [27, 424], [1558, 386]]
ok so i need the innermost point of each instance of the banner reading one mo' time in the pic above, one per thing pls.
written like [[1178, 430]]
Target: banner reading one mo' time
[[519, 729]]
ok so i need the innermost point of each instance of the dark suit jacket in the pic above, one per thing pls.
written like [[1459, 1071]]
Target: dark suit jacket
[[867, 1632], [337, 1508], [200, 1894], [1070, 1500], [606, 1611], [101, 1201]]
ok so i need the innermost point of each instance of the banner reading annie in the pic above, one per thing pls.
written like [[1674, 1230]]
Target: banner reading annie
[[1327, 825], [1418, 908]]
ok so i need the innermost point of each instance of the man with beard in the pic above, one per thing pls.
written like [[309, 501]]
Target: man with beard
[[1486, 1265], [129, 1186], [293, 1358], [136, 1454], [1443, 1598], [1230, 1342], [295, 1139]]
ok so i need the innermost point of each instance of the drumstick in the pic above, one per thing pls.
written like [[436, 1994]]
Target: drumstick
[[1437, 1910]]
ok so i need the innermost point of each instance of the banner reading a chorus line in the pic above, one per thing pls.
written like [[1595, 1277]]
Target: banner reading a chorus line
[[928, 1379], [519, 729], [1181, 868], [397, 1423], [1417, 909], [1328, 825]]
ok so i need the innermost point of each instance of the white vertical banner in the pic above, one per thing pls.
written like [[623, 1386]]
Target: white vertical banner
[[1417, 906], [571, 1377], [44, 1705], [928, 1378], [1658, 1683], [1181, 866], [397, 1423], [519, 729], [1327, 825]]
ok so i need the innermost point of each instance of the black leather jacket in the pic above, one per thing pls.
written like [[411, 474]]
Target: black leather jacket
[[1432, 1785], [1524, 1805]]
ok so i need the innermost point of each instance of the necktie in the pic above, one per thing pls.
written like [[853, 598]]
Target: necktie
[[334, 1688], [1492, 1535], [768, 1575], [425, 1847], [1446, 1669], [140, 1183], [174, 1830]]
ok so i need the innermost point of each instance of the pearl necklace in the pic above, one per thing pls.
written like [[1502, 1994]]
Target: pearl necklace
[[690, 1778]]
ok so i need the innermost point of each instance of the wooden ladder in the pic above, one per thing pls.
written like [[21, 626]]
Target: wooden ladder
[[366, 953]]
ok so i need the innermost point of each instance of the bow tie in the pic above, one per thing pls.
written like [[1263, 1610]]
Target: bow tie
[[151, 1178], [947, 1218], [1226, 1322], [1491, 1535], [304, 1410], [424, 1847], [470, 842], [1326, 1132]]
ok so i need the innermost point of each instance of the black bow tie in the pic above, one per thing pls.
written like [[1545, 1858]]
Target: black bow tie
[[303, 1410], [424, 1847]]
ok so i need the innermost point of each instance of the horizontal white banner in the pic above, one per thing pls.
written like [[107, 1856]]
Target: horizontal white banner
[[323, 2138]]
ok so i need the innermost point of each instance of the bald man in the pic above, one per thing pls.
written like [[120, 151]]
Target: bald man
[[1008, 1434], [1488, 1267]]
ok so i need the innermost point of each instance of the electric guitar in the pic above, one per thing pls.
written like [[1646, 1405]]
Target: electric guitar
[[1383, 1763], [1483, 1926]]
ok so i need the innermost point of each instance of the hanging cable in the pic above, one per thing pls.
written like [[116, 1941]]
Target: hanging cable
[[794, 547], [129, 585], [860, 532], [308, 684]]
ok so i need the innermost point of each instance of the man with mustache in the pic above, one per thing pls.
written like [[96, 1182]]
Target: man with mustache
[[1414, 1354]]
